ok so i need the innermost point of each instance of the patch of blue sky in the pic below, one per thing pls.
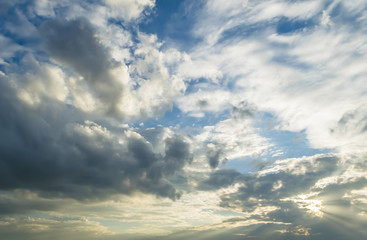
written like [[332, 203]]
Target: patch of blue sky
[[287, 144], [26, 41], [161, 17], [291, 61], [287, 25], [242, 32], [336, 10], [196, 84], [13, 13], [172, 22], [340, 16], [244, 165], [282, 25], [12, 63], [290, 144], [10, 18], [176, 118]]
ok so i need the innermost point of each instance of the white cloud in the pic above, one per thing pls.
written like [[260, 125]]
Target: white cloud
[[215, 101], [104, 84], [220, 16], [309, 81], [129, 9], [237, 138], [152, 87], [325, 20], [42, 80]]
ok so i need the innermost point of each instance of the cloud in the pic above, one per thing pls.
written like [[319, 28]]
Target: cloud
[[294, 75], [214, 158], [106, 71], [288, 190], [8, 48], [51, 149], [220, 178], [233, 138], [75, 45], [41, 228], [279, 181], [129, 10]]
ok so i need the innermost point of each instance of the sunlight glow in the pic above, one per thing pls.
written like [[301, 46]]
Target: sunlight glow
[[313, 206]]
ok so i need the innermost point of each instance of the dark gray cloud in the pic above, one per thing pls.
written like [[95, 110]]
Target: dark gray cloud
[[50, 149], [214, 157], [203, 104], [11, 203], [219, 179], [270, 188], [276, 188], [243, 110], [76, 45]]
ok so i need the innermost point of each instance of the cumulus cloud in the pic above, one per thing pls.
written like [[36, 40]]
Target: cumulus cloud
[[51, 149], [74, 44], [105, 71]]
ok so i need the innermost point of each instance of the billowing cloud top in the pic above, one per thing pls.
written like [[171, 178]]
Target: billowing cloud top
[[143, 119]]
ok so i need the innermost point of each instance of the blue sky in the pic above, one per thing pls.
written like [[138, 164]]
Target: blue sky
[[163, 119]]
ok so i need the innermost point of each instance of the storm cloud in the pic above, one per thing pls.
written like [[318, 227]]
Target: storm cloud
[[54, 151]]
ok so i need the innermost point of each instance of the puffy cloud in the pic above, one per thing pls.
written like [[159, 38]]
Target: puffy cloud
[[75, 45], [51, 149], [40, 81], [153, 87]]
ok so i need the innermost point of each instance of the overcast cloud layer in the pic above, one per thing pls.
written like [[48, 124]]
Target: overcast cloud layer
[[217, 119]]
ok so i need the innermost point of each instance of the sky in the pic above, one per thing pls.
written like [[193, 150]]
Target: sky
[[183, 119]]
